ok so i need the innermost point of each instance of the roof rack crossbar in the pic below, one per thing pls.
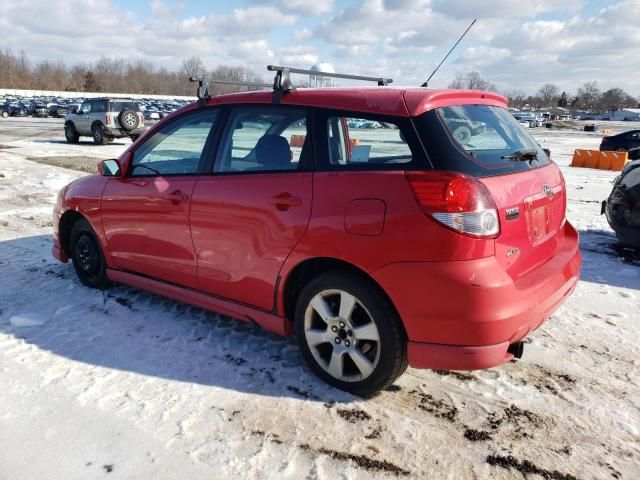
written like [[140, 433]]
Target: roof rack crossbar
[[381, 81], [203, 85]]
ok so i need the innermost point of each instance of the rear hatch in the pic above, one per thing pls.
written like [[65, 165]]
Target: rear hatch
[[527, 188]]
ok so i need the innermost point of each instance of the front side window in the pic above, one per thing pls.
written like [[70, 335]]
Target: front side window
[[86, 108], [175, 149], [263, 139], [356, 141]]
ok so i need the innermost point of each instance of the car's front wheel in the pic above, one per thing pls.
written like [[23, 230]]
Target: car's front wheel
[[5, 114], [349, 333], [86, 255]]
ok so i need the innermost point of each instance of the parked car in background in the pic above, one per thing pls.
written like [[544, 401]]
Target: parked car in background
[[622, 142], [38, 109], [105, 119], [622, 208], [18, 111], [58, 111], [407, 247]]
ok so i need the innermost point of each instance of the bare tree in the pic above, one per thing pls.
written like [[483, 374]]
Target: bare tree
[[548, 93], [588, 96], [193, 67], [516, 98], [472, 81]]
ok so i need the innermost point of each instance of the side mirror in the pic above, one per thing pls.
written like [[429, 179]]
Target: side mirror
[[109, 168]]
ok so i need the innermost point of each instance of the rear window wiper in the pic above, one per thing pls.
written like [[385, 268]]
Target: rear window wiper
[[524, 154]]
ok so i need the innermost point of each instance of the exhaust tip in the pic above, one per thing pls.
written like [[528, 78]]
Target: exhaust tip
[[516, 349]]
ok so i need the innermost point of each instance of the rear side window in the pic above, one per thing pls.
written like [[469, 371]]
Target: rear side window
[[355, 140], [478, 140]]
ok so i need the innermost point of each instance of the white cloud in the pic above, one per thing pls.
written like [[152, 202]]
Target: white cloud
[[302, 34], [514, 44], [300, 7]]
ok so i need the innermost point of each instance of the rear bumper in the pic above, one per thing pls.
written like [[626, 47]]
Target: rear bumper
[[121, 132], [463, 315]]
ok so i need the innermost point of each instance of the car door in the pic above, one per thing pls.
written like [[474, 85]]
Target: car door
[[146, 213], [251, 210], [83, 119]]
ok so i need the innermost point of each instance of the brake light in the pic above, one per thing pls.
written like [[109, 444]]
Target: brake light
[[108, 119], [605, 139], [458, 202]]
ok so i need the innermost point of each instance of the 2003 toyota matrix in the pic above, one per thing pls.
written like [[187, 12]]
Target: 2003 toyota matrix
[[384, 227]]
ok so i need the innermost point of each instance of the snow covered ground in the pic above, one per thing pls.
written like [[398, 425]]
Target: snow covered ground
[[124, 384]]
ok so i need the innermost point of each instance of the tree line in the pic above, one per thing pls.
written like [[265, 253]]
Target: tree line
[[587, 97], [115, 75]]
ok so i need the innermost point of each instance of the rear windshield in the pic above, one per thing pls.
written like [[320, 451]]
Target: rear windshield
[[119, 106], [478, 140]]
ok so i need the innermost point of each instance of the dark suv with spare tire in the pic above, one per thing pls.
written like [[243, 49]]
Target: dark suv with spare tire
[[104, 119]]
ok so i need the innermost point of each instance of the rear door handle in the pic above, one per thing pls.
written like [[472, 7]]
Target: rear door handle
[[176, 197], [284, 201]]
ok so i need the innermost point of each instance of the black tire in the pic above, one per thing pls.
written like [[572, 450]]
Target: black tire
[[128, 119], [71, 134], [98, 134], [390, 351], [462, 134], [86, 255]]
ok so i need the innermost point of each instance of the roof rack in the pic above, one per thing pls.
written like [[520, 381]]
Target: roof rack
[[203, 86], [282, 82]]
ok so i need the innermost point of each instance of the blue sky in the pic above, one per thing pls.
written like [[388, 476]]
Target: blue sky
[[517, 44]]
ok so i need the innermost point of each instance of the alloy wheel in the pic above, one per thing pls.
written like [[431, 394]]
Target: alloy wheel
[[342, 335]]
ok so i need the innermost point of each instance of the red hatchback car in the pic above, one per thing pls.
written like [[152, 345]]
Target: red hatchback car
[[384, 227]]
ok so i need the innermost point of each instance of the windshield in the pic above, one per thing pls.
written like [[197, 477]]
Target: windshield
[[479, 140]]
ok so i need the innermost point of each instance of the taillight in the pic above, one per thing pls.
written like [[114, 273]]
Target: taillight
[[108, 119], [458, 202], [605, 139]]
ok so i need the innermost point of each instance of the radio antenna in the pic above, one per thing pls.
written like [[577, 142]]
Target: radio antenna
[[426, 84]]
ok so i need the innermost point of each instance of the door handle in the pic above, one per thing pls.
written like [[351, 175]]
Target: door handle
[[284, 201], [176, 197]]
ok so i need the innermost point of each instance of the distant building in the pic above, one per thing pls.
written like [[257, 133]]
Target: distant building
[[631, 114], [319, 80]]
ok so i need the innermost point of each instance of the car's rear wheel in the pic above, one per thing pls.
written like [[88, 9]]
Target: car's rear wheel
[[98, 135], [349, 333], [86, 255], [71, 134]]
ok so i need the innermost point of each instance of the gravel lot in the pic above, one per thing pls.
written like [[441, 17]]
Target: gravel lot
[[131, 385]]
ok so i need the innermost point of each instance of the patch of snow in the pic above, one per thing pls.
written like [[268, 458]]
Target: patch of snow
[[27, 320]]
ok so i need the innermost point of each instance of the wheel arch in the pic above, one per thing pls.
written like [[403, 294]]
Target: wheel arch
[[308, 269], [96, 122], [67, 220]]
